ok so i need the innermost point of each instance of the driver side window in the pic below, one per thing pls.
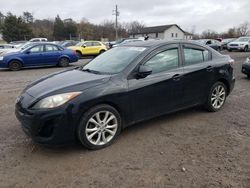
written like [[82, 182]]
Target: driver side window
[[164, 61]]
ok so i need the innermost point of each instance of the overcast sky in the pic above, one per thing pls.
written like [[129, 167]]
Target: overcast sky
[[218, 15]]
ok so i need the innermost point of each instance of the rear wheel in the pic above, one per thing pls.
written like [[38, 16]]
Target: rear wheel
[[78, 54], [216, 97], [15, 65], [99, 127], [63, 62]]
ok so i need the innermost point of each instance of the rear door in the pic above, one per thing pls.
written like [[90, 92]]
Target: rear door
[[161, 91], [51, 54], [198, 73]]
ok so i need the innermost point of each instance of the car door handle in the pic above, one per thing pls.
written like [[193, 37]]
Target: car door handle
[[177, 77], [209, 69]]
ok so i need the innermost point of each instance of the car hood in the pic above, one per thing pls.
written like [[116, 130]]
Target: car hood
[[62, 82], [8, 51]]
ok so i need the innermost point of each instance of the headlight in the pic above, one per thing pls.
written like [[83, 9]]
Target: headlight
[[55, 100], [1, 58]]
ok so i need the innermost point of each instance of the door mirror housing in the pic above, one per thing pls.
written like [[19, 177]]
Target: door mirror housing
[[27, 52], [144, 71], [84, 46]]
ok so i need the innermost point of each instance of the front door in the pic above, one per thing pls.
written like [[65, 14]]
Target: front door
[[161, 91], [34, 56]]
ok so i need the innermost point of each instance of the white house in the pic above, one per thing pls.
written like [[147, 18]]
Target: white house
[[166, 32]]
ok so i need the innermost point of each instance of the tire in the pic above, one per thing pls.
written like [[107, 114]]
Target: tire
[[102, 51], [246, 49], [63, 62], [229, 50], [78, 54], [102, 134], [217, 97], [15, 65]]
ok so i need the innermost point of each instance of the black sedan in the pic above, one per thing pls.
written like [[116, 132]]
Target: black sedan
[[125, 85], [246, 67]]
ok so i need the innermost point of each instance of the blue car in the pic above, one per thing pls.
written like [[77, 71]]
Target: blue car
[[45, 54]]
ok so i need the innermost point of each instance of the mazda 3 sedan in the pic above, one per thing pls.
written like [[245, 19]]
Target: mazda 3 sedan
[[125, 85]]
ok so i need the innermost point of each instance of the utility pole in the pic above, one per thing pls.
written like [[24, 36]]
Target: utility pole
[[116, 13]]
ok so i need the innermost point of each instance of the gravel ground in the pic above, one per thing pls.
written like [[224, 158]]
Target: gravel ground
[[191, 148]]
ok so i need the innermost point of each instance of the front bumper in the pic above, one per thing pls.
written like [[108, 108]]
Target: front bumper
[[235, 47], [52, 127], [3, 64], [246, 68]]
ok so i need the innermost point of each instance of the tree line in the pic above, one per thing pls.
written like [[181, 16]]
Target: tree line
[[25, 27]]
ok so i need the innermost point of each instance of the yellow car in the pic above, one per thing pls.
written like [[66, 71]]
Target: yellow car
[[88, 48]]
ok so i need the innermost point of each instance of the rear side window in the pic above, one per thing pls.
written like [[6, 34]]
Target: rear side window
[[50, 48], [194, 56], [164, 61]]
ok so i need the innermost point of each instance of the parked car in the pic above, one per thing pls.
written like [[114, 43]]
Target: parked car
[[89, 48], [215, 44], [246, 67], [128, 41], [124, 85], [68, 43], [45, 54], [17, 44], [225, 42], [38, 40], [6, 46], [242, 44]]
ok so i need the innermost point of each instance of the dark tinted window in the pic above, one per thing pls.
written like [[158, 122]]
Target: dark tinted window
[[164, 61], [50, 48], [194, 56]]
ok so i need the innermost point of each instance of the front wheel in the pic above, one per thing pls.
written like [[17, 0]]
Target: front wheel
[[15, 65], [246, 49], [99, 127], [217, 97]]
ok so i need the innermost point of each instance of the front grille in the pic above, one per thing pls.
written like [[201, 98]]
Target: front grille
[[234, 45]]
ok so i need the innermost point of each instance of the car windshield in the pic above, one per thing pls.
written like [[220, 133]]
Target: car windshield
[[243, 39], [114, 60]]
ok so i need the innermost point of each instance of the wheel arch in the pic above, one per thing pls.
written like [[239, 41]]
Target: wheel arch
[[15, 59], [226, 82]]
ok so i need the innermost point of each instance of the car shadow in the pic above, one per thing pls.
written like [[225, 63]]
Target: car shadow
[[76, 147]]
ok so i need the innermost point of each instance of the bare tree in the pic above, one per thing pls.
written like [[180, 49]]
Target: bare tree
[[243, 29]]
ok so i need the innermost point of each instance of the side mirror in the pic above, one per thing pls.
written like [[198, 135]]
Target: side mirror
[[144, 71], [84, 46], [27, 52]]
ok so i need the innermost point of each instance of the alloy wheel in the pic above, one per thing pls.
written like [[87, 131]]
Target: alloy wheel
[[101, 128], [218, 97]]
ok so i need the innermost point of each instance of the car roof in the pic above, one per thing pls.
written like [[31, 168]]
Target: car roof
[[155, 43]]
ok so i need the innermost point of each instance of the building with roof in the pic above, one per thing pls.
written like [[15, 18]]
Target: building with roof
[[166, 32]]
